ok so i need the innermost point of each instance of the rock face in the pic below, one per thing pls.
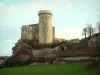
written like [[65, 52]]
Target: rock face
[[22, 55], [22, 48], [27, 51], [45, 55], [2, 61], [18, 60]]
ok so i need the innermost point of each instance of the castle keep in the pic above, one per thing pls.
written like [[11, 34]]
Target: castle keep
[[43, 31]]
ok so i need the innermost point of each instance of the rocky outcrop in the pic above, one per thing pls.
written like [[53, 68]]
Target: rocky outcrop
[[25, 50], [18, 60], [22, 48], [45, 55]]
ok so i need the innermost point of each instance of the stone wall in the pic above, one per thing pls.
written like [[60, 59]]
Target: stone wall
[[43, 31], [32, 32]]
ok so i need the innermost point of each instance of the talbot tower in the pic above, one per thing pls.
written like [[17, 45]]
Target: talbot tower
[[45, 26]]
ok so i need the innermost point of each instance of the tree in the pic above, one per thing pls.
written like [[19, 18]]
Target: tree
[[89, 29], [85, 31], [98, 26], [93, 30]]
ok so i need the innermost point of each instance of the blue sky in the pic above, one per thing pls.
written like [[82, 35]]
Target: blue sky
[[69, 18]]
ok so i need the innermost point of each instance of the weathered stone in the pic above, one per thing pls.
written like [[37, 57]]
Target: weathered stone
[[31, 32], [18, 60], [46, 54], [45, 26]]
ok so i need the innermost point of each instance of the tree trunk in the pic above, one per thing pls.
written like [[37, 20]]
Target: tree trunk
[[85, 35]]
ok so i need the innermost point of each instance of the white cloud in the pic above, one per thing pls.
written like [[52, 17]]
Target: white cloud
[[23, 14], [54, 4], [68, 32], [2, 5], [44, 4]]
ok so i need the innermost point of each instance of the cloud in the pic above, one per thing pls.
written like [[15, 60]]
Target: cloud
[[22, 14], [68, 32], [2, 5], [56, 4], [44, 4]]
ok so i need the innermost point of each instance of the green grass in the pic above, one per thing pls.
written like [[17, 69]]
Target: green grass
[[54, 69]]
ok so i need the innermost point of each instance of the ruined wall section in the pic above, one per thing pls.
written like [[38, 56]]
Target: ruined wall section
[[30, 32]]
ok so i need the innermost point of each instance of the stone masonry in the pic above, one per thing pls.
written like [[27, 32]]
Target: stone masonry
[[43, 31], [32, 32]]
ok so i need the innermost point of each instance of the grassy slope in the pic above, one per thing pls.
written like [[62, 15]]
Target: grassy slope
[[55, 69]]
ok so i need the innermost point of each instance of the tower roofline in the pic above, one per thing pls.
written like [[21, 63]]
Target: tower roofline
[[45, 12]]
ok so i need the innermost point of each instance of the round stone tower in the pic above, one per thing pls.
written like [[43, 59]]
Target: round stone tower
[[45, 26]]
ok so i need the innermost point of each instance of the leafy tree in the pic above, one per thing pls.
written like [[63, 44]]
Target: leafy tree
[[90, 30]]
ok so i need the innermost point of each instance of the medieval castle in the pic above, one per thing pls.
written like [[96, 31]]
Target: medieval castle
[[43, 31]]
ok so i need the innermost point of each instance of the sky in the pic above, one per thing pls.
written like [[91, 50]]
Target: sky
[[69, 18]]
